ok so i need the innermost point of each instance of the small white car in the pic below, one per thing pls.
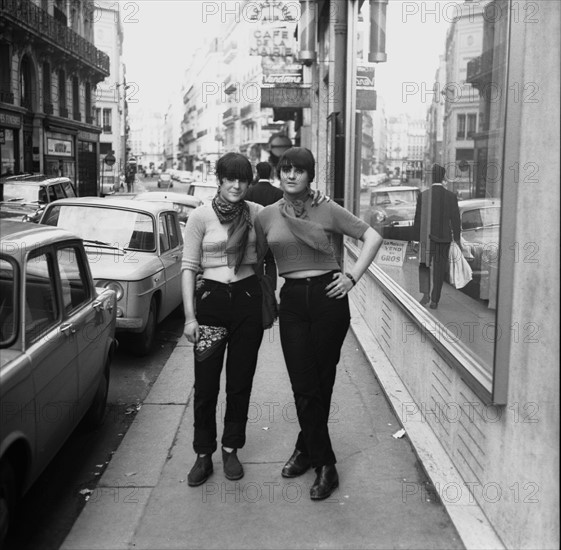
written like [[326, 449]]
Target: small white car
[[183, 203], [135, 248]]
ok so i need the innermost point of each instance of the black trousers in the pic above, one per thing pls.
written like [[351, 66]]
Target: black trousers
[[312, 328], [439, 263], [237, 307]]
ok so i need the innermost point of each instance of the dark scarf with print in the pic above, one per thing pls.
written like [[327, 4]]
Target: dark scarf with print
[[239, 217]]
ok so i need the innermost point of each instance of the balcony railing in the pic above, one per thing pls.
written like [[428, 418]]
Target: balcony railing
[[26, 14], [106, 128], [479, 70], [64, 112], [76, 115], [230, 113], [48, 108]]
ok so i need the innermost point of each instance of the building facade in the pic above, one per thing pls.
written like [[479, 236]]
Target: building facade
[[49, 68], [110, 97]]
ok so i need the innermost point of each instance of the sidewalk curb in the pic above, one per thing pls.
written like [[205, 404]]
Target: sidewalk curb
[[137, 464]]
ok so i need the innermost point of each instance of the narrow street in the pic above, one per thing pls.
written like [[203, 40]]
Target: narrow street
[[50, 508]]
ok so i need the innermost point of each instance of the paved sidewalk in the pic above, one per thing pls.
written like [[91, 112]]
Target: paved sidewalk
[[143, 501]]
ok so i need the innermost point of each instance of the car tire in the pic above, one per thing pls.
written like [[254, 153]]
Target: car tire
[[143, 342], [96, 413], [8, 497]]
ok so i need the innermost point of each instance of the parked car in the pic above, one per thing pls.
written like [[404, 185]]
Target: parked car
[[184, 204], [164, 180], [57, 339], [204, 191], [135, 247], [185, 177], [24, 197], [392, 211], [480, 226]]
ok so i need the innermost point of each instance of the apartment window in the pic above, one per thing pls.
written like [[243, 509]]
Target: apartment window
[[461, 127], [47, 82], [107, 120], [76, 99], [98, 116], [62, 93], [25, 83], [88, 102], [471, 125], [105, 148]]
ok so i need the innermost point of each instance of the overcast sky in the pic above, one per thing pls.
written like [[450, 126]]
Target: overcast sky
[[160, 35]]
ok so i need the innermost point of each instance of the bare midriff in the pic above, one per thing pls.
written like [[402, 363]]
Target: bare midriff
[[225, 274], [306, 273]]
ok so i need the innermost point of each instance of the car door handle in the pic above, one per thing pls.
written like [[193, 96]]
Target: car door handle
[[67, 327], [176, 256]]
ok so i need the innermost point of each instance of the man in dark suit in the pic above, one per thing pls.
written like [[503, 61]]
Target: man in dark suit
[[262, 192], [437, 224]]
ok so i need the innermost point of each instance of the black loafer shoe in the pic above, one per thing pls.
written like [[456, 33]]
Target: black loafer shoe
[[232, 467], [433, 305], [200, 471], [297, 464], [326, 482]]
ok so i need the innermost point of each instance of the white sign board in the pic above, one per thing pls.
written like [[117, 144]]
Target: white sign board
[[391, 253]]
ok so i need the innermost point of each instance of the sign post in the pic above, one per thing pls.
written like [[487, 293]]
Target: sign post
[[109, 159]]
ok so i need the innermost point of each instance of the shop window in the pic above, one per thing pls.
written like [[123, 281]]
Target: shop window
[[427, 113]]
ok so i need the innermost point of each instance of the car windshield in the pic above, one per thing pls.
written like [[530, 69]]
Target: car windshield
[[395, 197], [105, 226], [481, 217], [26, 192]]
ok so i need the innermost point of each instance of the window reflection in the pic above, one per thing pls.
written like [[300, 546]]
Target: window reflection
[[441, 99]]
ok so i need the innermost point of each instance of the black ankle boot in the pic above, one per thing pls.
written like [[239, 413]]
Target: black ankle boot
[[200, 471], [297, 464], [326, 482], [232, 468]]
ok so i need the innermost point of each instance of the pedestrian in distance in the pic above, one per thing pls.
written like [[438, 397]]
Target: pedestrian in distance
[[436, 225], [314, 311], [225, 311], [264, 193]]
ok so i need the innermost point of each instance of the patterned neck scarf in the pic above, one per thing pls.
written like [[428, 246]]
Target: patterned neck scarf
[[239, 217], [294, 209]]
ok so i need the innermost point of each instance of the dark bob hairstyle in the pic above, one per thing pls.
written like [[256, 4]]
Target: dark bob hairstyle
[[299, 157], [234, 166]]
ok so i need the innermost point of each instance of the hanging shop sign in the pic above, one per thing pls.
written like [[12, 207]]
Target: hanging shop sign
[[365, 92], [286, 96], [287, 77], [59, 147], [273, 41]]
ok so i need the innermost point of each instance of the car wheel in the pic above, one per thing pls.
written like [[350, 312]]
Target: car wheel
[[8, 497], [96, 413], [142, 343]]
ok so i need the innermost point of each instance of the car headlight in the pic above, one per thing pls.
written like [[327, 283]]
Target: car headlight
[[378, 216], [112, 285]]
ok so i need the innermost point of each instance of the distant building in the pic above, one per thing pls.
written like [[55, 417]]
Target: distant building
[[48, 74], [110, 109]]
